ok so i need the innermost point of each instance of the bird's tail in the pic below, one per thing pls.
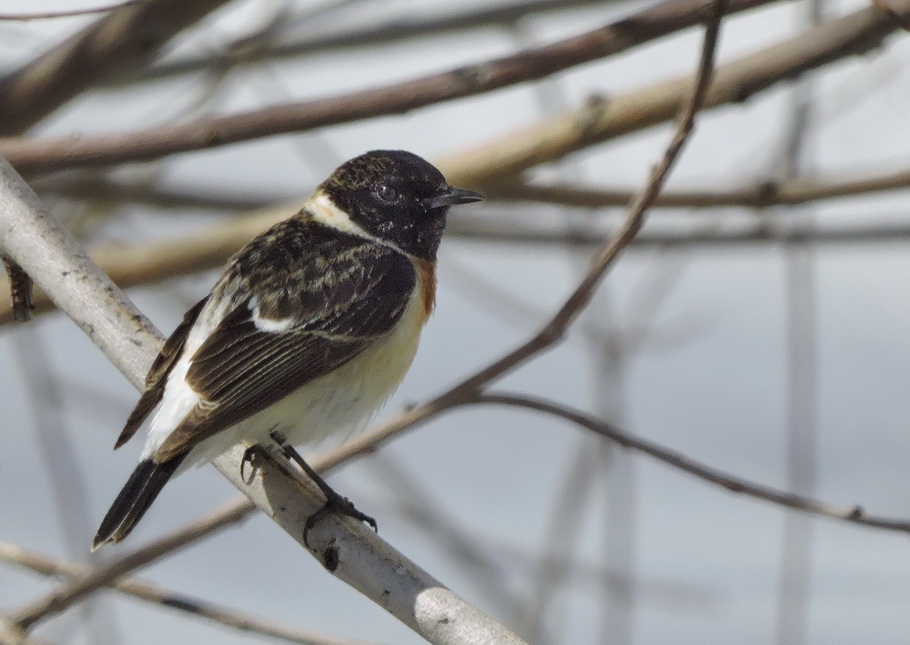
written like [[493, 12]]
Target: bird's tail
[[134, 499]]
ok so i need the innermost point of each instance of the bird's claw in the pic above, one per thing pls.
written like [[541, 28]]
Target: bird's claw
[[339, 505]]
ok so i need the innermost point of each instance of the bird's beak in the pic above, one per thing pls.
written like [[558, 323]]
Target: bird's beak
[[454, 196]]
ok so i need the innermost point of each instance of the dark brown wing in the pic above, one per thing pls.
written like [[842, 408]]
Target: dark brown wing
[[320, 298], [157, 375]]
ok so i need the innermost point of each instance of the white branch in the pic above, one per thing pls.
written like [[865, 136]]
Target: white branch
[[349, 550]]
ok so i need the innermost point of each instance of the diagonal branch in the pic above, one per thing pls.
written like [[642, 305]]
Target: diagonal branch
[[852, 514]]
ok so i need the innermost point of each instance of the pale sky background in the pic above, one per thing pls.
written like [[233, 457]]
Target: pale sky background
[[710, 382]]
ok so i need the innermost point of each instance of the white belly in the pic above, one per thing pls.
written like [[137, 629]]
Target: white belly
[[335, 405]]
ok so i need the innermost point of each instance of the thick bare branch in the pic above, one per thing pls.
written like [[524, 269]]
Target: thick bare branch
[[50, 256], [131, 265]]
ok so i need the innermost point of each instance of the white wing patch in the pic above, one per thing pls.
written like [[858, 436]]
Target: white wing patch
[[269, 324]]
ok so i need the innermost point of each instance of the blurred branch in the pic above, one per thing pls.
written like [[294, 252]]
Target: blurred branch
[[349, 550], [201, 608], [145, 264], [761, 195], [753, 231], [853, 514], [899, 19], [104, 575], [41, 15], [601, 118], [91, 187], [46, 154], [131, 265], [14, 635], [554, 330], [122, 40], [378, 32]]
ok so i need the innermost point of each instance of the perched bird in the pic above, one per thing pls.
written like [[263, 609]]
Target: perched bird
[[308, 331]]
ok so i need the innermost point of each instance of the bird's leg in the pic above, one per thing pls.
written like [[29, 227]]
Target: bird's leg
[[334, 501]]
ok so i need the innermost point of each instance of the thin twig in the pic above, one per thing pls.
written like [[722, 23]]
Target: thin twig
[[852, 514], [229, 616]]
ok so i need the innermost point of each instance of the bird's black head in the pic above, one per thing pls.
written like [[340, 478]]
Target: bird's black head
[[396, 196]]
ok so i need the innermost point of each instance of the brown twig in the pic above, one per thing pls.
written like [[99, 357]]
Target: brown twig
[[852, 514], [41, 155], [154, 594]]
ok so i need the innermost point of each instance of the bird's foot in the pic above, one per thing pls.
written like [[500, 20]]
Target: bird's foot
[[340, 505], [334, 502]]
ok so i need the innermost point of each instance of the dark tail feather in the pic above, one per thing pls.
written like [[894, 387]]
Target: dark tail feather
[[134, 500]]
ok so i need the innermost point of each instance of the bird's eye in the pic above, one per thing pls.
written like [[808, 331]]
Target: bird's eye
[[387, 194]]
